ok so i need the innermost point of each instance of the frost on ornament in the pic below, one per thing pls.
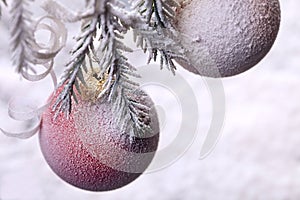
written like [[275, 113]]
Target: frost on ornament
[[226, 37], [90, 151]]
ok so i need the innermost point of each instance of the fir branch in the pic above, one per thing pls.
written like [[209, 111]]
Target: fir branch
[[110, 26], [165, 11], [132, 116], [163, 43], [21, 35], [127, 112], [73, 74], [159, 36], [157, 12]]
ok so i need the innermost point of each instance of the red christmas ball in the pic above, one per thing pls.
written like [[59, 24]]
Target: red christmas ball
[[89, 151]]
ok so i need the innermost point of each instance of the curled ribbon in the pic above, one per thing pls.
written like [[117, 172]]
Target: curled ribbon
[[42, 55]]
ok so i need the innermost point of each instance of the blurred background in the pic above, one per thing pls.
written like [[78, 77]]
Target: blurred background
[[257, 155]]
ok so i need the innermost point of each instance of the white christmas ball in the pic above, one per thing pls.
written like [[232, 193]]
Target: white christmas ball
[[226, 37]]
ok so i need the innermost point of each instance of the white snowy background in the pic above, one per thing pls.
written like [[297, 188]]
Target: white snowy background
[[257, 156]]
